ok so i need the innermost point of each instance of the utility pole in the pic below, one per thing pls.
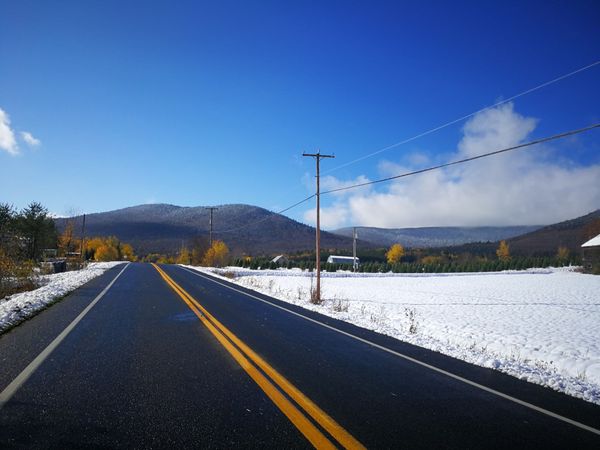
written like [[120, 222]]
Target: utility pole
[[82, 252], [210, 224], [354, 236], [318, 157]]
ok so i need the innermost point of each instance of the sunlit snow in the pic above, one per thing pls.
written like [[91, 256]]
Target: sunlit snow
[[542, 325], [18, 307]]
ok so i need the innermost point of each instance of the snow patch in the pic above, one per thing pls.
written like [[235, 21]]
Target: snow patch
[[18, 307]]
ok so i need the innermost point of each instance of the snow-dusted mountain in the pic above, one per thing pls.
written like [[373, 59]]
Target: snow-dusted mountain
[[247, 229], [435, 236]]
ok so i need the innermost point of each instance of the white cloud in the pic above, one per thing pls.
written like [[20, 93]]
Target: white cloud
[[331, 183], [516, 188], [331, 217], [338, 214], [8, 142], [29, 139]]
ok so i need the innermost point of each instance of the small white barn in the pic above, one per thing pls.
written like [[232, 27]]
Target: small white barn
[[342, 260]]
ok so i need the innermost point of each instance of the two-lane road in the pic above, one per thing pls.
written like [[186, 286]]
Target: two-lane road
[[169, 357]]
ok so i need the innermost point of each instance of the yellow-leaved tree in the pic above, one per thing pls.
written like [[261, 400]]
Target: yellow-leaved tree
[[216, 255], [67, 242], [108, 249], [394, 254], [106, 253], [127, 252], [184, 256], [503, 252]]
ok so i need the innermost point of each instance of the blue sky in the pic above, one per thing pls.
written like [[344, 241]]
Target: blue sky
[[207, 103]]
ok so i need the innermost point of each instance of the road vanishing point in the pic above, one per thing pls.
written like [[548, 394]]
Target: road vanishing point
[[149, 356]]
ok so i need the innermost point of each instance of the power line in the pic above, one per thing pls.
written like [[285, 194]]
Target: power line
[[416, 172], [504, 150], [447, 124]]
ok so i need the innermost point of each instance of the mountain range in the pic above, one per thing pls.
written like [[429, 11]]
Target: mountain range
[[435, 236], [163, 228], [570, 234], [246, 229]]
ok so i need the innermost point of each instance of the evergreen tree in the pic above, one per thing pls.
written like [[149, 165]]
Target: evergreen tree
[[38, 229]]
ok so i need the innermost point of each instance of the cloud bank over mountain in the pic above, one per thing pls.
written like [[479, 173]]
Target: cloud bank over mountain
[[525, 187]]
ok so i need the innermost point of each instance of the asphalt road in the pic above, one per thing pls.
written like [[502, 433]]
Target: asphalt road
[[143, 369]]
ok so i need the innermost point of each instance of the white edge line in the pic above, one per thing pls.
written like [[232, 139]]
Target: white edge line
[[14, 386], [411, 359]]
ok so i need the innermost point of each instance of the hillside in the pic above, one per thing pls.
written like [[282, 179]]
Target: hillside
[[570, 234], [435, 236], [162, 228]]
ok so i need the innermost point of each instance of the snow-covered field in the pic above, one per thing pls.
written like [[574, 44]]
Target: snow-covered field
[[18, 307], [541, 325]]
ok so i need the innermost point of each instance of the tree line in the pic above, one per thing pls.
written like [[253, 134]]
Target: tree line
[[29, 236], [397, 259], [25, 234], [198, 252]]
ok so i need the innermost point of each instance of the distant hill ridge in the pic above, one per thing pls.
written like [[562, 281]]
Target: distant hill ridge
[[428, 237], [570, 234], [247, 229]]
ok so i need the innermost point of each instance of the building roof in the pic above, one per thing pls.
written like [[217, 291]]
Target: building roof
[[342, 258], [594, 242]]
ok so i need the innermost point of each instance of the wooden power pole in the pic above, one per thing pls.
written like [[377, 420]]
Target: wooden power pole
[[82, 251], [354, 262], [318, 157], [210, 224]]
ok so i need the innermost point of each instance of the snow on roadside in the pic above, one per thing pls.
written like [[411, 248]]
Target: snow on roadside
[[18, 307], [538, 325]]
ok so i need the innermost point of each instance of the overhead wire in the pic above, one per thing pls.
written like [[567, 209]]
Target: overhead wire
[[461, 161], [425, 133], [460, 119], [269, 216], [416, 172]]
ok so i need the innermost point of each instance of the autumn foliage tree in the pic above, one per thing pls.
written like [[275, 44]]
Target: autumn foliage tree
[[216, 255], [184, 256], [503, 252], [127, 252], [109, 249], [67, 241], [198, 247], [394, 254], [106, 253]]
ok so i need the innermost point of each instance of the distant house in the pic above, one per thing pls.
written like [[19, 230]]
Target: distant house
[[342, 260], [281, 260], [591, 254]]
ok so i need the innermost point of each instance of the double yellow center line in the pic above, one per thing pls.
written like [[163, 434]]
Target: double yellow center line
[[270, 381]]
